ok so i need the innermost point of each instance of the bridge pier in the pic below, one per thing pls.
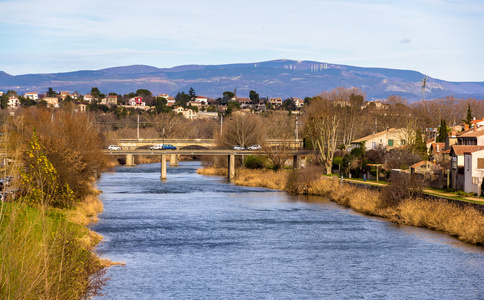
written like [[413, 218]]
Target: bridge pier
[[296, 162], [173, 160], [231, 166], [130, 160], [163, 167]]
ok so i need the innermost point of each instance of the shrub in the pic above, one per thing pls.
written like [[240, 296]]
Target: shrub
[[401, 188], [300, 180], [255, 162]]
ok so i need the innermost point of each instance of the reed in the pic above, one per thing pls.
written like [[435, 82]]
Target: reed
[[465, 223]]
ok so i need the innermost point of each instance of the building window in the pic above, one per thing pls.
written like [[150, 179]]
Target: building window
[[373, 145], [403, 142], [390, 142]]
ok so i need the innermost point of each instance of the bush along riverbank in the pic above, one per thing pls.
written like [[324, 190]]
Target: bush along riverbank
[[46, 250], [398, 204]]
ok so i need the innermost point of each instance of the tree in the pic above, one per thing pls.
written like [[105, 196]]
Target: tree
[[4, 101], [182, 99], [192, 94], [442, 133], [420, 147], [244, 130], [468, 119], [227, 96], [254, 97], [321, 126], [160, 105], [289, 104], [51, 93]]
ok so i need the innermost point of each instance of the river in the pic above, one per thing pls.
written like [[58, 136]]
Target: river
[[199, 237]]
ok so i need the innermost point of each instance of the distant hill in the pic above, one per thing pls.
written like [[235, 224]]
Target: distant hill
[[278, 78]]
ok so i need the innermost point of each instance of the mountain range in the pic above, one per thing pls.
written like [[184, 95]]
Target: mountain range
[[278, 78]]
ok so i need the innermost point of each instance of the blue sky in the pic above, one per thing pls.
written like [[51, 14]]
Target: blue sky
[[440, 38]]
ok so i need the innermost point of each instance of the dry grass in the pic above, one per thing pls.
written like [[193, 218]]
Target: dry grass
[[212, 171], [262, 178], [465, 223]]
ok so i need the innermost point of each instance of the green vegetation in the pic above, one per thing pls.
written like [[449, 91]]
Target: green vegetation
[[45, 249]]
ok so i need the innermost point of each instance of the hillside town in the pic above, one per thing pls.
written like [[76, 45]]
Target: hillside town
[[450, 157]]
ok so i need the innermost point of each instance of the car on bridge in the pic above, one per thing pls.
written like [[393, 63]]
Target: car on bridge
[[163, 147], [239, 147], [254, 147], [114, 147]]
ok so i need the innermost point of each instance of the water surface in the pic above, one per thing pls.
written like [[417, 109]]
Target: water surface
[[199, 237]]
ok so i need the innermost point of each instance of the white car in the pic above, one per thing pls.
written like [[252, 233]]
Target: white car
[[239, 147], [114, 147], [254, 147]]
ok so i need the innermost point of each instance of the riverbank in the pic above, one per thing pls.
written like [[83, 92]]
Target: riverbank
[[48, 253], [465, 223]]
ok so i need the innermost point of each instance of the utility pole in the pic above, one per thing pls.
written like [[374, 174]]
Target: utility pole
[[221, 123], [137, 131], [296, 135]]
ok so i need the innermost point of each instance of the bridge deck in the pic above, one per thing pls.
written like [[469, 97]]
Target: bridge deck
[[197, 152]]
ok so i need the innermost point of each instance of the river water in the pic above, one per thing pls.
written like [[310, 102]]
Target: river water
[[199, 237]]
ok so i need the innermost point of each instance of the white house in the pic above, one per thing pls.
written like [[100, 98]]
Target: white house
[[388, 139], [473, 171], [13, 102], [201, 99], [32, 96]]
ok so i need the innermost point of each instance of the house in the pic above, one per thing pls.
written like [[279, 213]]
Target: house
[[276, 101], [111, 100], [473, 171], [432, 174], [299, 102], [390, 138], [13, 102], [186, 112], [457, 164], [136, 101], [32, 96], [52, 101], [436, 151], [201, 99], [63, 95], [89, 98], [170, 101], [80, 106], [473, 136], [245, 102]]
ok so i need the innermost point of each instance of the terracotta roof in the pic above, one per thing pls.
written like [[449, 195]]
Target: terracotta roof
[[421, 163], [472, 133], [461, 149]]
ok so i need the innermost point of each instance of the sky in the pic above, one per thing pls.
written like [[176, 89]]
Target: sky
[[440, 38]]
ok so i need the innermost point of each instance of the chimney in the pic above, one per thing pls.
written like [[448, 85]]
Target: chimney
[[466, 126]]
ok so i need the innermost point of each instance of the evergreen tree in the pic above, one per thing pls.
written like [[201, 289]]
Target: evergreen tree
[[442, 133], [468, 119], [420, 147]]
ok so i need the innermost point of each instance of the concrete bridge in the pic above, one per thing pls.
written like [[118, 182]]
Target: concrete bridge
[[130, 154], [132, 144]]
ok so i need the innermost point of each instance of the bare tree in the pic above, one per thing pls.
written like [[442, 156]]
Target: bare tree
[[243, 130], [321, 126], [280, 127], [347, 103]]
